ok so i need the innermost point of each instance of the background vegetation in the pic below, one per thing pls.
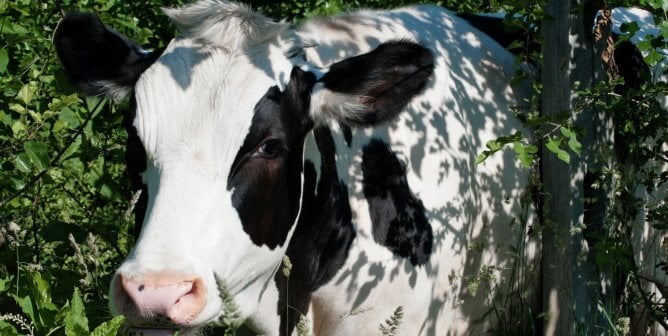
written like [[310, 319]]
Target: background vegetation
[[65, 210]]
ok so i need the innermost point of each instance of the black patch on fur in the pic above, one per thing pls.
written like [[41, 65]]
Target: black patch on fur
[[135, 165], [91, 54], [323, 236], [267, 189], [347, 134], [397, 215], [631, 66], [387, 77]]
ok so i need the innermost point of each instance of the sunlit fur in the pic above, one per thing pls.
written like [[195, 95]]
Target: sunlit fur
[[468, 102], [227, 25]]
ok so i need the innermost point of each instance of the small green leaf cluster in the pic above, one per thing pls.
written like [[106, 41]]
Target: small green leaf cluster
[[391, 325], [231, 316], [40, 315], [526, 152]]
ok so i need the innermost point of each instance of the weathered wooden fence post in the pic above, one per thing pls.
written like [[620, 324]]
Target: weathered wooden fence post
[[570, 278]]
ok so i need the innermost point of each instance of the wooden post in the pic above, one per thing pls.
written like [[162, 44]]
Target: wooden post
[[570, 278], [558, 209]]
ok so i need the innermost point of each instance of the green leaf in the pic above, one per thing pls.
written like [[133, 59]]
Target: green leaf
[[515, 45], [73, 148], [76, 322], [26, 305], [6, 329], [18, 183], [109, 328], [26, 94], [11, 28], [553, 146], [22, 163], [92, 102], [653, 57], [5, 283], [629, 27], [61, 102], [575, 145], [525, 153], [37, 151], [18, 108], [573, 142], [567, 132], [564, 156], [482, 157], [494, 145], [5, 118], [41, 293], [4, 60], [18, 127]]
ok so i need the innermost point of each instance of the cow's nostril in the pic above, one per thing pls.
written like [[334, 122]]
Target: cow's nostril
[[143, 299]]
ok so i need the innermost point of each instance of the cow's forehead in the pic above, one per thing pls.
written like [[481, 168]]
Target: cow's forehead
[[197, 101]]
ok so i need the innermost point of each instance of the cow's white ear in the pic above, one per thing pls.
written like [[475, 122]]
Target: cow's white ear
[[99, 60], [372, 88]]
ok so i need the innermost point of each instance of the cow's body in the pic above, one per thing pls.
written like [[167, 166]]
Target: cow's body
[[471, 211], [348, 144]]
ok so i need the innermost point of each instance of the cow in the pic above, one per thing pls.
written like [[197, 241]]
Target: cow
[[323, 174]]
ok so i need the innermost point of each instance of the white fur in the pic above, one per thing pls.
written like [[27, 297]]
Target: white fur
[[228, 25], [468, 102], [327, 105]]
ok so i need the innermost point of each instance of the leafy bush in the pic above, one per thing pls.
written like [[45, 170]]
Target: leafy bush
[[64, 196]]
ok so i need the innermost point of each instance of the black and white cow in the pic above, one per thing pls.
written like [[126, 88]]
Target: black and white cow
[[347, 144]]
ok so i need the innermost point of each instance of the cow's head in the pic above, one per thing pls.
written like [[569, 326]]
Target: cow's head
[[222, 114]]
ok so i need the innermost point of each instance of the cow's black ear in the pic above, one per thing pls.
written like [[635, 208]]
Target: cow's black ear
[[298, 96], [99, 60], [374, 87]]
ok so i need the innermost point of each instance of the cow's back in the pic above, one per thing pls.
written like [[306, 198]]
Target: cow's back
[[473, 211]]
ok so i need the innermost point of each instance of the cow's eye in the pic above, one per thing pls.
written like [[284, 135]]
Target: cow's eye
[[270, 148]]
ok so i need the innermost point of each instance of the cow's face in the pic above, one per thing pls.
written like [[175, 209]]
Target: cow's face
[[222, 119], [223, 148]]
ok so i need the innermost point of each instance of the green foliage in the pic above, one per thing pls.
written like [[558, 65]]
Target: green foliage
[[63, 190], [40, 315], [295, 11], [389, 328], [638, 159]]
